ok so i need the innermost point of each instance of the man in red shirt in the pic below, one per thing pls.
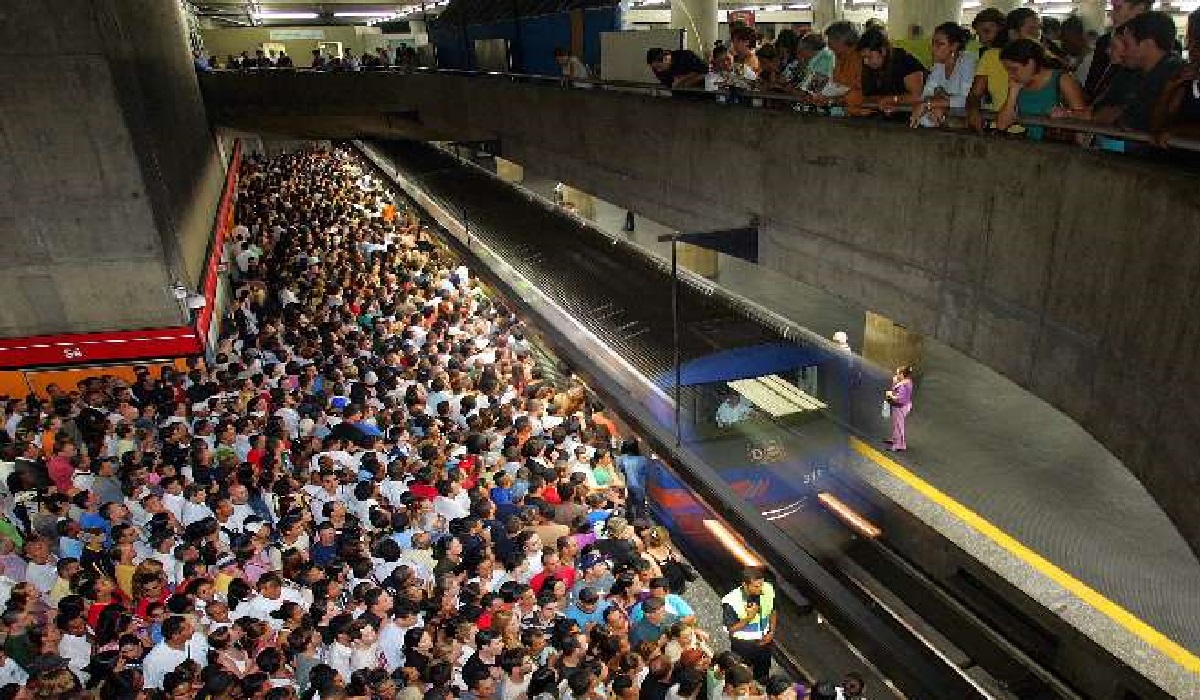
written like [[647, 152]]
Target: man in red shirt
[[61, 467]]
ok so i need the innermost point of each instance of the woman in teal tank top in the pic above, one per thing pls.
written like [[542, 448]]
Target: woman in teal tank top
[[1037, 88]]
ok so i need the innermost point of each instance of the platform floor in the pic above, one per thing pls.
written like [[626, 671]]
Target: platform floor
[[1004, 454]]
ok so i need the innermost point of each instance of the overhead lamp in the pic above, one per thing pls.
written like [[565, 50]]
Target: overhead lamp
[[286, 15], [381, 15]]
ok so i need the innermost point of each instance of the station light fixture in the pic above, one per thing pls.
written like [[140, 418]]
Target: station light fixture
[[286, 15]]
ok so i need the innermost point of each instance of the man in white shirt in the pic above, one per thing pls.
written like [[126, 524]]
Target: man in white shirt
[[271, 597], [173, 650], [42, 569], [11, 671]]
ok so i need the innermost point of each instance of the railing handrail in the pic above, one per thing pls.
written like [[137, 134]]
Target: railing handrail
[[657, 89]]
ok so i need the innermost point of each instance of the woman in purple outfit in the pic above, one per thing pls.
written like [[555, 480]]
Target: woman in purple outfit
[[900, 399]]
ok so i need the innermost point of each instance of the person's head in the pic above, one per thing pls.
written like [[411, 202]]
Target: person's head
[[1023, 23], [753, 579], [842, 38], [949, 40], [561, 56], [808, 45], [739, 681], [658, 59], [990, 26], [654, 610], [768, 59], [1024, 59], [854, 684], [1073, 36], [1148, 38], [780, 687], [742, 39], [1125, 10], [875, 48]]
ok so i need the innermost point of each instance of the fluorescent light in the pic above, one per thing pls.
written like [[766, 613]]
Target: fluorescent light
[[286, 15], [364, 14]]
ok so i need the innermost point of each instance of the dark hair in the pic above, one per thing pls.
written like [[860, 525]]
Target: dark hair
[[1155, 26], [1017, 17], [654, 55], [1024, 51], [874, 40], [955, 32], [1073, 23]]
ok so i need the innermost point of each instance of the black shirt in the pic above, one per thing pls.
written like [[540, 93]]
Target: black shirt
[[889, 79], [683, 63], [1140, 112], [1099, 66]]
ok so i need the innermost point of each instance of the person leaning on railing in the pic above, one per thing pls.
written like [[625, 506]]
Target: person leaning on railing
[[951, 78], [990, 85], [844, 89], [1178, 110], [1037, 88], [891, 77]]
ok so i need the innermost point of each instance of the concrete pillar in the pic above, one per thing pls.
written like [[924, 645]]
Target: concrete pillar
[[903, 15], [699, 19], [111, 175], [509, 171], [826, 12], [1094, 13], [889, 345]]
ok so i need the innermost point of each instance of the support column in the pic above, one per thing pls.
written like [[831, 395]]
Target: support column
[[903, 15], [1094, 14], [890, 345], [826, 12], [699, 19], [509, 171]]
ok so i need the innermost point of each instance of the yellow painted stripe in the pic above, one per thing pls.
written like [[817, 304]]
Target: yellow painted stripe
[[1086, 593]]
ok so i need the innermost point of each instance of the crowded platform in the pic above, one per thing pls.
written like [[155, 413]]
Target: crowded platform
[[372, 490]]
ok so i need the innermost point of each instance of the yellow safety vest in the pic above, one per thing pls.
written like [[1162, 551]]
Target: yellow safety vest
[[761, 624]]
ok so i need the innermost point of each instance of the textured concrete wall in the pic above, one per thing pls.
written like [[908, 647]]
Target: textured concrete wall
[[1070, 272], [109, 172]]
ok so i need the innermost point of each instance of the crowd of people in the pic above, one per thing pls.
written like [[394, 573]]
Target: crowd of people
[[1002, 70], [371, 491], [382, 58]]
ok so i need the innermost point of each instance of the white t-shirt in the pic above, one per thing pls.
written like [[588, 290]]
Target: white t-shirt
[[164, 658]]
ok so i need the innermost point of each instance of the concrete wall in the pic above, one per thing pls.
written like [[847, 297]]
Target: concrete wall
[[1072, 273], [111, 177]]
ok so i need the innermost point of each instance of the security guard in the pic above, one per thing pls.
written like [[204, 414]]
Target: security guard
[[750, 618]]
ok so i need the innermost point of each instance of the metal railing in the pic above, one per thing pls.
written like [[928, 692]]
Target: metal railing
[[746, 99]]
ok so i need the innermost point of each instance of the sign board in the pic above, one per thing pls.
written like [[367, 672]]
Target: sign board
[[746, 17], [297, 34]]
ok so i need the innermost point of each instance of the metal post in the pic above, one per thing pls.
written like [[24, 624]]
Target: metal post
[[675, 336]]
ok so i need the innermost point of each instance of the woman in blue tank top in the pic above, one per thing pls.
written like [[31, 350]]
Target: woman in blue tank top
[[1037, 88]]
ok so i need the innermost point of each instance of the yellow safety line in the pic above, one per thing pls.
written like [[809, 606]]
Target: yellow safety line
[[1086, 593]]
